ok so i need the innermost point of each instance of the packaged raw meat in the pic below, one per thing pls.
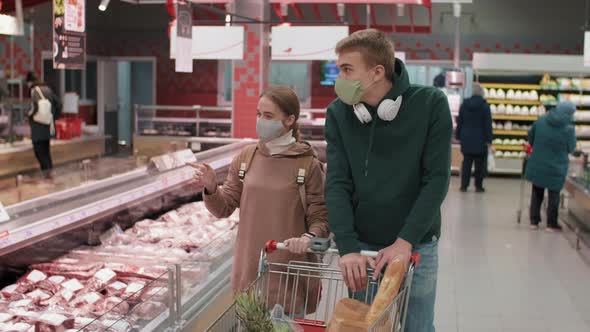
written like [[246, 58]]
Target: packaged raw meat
[[25, 303], [73, 285], [87, 301], [155, 293], [113, 305], [70, 268], [38, 295], [51, 284], [5, 317], [172, 217], [81, 322], [53, 322], [32, 277], [148, 310], [11, 291], [112, 235], [17, 327], [134, 271], [24, 315], [62, 298], [132, 293], [101, 279], [146, 223], [116, 288]]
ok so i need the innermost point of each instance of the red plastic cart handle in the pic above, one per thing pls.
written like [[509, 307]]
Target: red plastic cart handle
[[415, 259], [528, 148], [270, 246]]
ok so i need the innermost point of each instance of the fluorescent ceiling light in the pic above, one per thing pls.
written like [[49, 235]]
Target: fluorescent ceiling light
[[103, 5]]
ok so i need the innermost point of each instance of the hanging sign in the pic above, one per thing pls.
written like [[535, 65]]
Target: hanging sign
[[587, 49], [69, 37], [184, 40]]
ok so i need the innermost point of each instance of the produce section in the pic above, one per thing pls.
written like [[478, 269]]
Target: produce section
[[514, 107]]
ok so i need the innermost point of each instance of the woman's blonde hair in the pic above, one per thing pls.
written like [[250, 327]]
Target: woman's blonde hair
[[287, 101]]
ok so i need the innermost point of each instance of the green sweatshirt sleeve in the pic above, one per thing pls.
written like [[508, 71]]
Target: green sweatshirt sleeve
[[339, 188], [436, 173]]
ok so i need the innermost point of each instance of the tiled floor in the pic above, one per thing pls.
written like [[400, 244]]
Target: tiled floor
[[496, 275]]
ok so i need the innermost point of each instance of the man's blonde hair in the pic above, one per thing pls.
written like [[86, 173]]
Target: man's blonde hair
[[374, 47]]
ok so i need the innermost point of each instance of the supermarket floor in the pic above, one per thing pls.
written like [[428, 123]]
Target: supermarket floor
[[495, 275]]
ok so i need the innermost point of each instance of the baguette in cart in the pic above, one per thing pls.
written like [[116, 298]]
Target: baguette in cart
[[382, 306]]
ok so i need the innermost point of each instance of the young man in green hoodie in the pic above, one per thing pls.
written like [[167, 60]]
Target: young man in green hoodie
[[389, 152]]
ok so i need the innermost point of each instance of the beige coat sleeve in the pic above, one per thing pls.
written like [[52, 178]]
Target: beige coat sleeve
[[317, 215], [226, 199]]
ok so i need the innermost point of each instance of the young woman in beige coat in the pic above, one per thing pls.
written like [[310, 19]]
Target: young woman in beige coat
[[269, 200]]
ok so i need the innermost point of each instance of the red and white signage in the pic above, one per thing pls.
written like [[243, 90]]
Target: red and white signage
[[294, 43]]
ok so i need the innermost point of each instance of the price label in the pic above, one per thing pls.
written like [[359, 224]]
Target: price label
[[3, 214]]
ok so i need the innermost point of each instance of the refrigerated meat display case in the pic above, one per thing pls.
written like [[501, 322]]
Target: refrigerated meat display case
[[135, 252]]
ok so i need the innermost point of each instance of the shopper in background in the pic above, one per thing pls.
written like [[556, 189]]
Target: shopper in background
[[389, 155], [474, 130], [40, 132], [269, 198], [553, 138]]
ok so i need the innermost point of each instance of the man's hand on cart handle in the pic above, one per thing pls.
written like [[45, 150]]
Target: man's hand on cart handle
[[400, 248], [205, 177], [354, 270]]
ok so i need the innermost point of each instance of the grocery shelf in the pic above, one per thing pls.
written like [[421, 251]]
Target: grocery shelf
[[508, 147], [505, 170], [513, 102], [510, 86], [514, 117], [554, 103], [565, 90], [510, 132]]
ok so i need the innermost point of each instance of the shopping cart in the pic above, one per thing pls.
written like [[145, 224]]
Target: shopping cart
[[298, 274], [528, 150]]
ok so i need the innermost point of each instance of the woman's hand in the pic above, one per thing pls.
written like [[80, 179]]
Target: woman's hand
[[298, 245], [205, 176]]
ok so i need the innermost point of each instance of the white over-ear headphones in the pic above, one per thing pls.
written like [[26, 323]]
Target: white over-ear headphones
[[386, 111]]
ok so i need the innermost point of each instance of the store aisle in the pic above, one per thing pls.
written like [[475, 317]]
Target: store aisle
[[495, 275]]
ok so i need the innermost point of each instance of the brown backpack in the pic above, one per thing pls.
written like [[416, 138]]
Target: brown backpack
[[304, 164]]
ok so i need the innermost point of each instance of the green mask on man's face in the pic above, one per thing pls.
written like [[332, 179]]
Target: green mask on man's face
[[350, 91]]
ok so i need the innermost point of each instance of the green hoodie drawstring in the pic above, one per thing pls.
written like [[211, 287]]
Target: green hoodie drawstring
[[371, 139]]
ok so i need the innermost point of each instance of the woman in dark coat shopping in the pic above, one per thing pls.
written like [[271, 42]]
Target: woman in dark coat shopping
[[41, 133], [553, 138], [474, 130]]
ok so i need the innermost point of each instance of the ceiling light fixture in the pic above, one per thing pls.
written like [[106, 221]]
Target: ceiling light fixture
[[341, 10], [103, 5], [401, 9]]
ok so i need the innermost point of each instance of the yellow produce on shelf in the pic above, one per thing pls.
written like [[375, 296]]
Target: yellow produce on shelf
[[510, 132], [513, 102], [515, 117], [510, 86]]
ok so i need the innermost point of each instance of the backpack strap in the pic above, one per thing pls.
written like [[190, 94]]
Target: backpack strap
[[245, 159], [303, 171], [40, 92]]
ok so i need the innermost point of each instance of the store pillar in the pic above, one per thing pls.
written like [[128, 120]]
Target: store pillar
[[250, 75]]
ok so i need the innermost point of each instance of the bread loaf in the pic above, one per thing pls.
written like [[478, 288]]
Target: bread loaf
[[355, 316]]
